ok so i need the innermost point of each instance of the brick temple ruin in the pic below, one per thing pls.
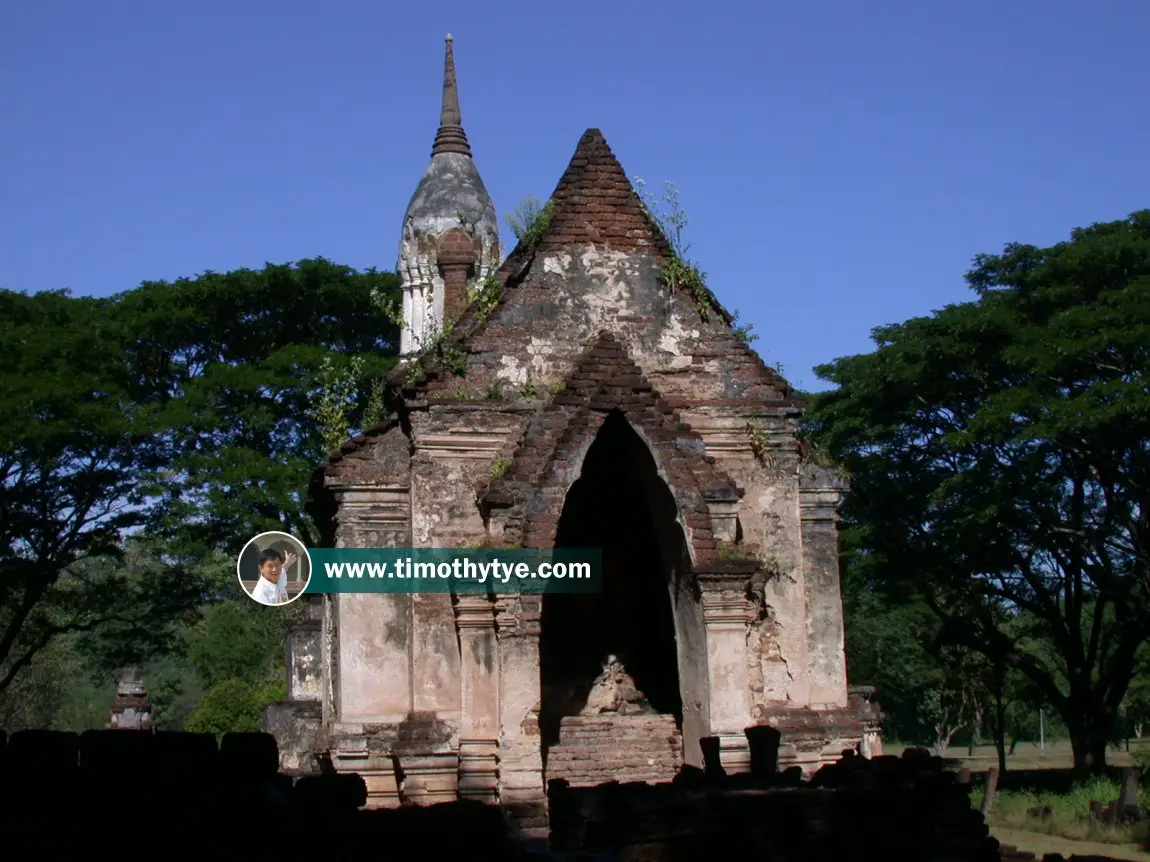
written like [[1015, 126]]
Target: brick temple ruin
[[579, 402], [131, 708]]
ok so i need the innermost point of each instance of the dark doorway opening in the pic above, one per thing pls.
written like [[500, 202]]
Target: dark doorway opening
[[619, 504]]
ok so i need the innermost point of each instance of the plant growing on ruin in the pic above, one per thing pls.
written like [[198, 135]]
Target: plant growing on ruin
[[732, 553], [679, 272], [530, 219], [493, 390], [500, 467], [484, 296], [438, 349], [743, 330], [760, 442], [414, 373], [811, 454], [528, 390], [336, 399], [375, 411]]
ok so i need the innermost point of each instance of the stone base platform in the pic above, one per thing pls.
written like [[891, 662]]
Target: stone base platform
[[594, 749], [813, 738]]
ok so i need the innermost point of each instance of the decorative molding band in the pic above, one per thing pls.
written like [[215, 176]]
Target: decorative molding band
[[374, 505], [475, 613], [463, 444], [738, 443], [724, 606], [819, 504], [726, 443]]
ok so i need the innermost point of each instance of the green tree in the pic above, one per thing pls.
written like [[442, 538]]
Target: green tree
[[231, 706], [998, 452], [234, 638], [888, 646], [188, 409], [242, 366], [1136, 706], [54, 692], [73, 440]]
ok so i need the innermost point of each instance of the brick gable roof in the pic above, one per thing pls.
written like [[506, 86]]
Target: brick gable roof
[[595, 204]]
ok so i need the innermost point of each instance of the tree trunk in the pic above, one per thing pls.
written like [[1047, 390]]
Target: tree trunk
[[1000, 734], [999, 723], [1089, 741]]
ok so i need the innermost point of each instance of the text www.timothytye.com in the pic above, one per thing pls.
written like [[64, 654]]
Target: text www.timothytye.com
[[459, 569]]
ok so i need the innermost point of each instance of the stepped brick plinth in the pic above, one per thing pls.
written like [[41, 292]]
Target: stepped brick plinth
[[596, 749]]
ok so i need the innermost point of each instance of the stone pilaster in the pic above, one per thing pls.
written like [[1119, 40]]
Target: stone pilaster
[[422, 298], [820, 491], [297, 722], [725, 621], [305, 657], [329, 655], [521, 787], [375, 630], [479, 724]]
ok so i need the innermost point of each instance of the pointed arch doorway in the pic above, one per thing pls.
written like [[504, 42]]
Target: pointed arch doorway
[[623, 673]]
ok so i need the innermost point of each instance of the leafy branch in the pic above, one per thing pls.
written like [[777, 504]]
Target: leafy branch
[[530, 219], [679, 273]]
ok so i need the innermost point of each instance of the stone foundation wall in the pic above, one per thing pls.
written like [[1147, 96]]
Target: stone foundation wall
[[886, 809], [203, 793], [295, 726], [596, 749]]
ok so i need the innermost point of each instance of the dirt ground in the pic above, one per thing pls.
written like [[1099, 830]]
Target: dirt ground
[[1033, 842]]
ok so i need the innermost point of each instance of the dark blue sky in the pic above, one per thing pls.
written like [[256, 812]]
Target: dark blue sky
[[841, 162]]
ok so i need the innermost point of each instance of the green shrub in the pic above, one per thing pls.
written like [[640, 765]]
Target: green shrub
[[233, 706], [1141, 756], [1070, 812]]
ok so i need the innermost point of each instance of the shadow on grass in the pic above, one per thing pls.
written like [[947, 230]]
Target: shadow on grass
[[1056, 781]]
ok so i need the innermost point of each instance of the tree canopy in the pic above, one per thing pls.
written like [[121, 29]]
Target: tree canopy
[[188, 414], [999, 458]]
